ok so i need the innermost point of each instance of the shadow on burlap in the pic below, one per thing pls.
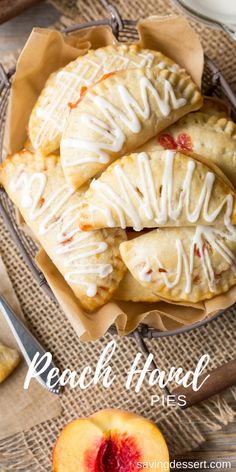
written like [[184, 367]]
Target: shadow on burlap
[[31, 451]]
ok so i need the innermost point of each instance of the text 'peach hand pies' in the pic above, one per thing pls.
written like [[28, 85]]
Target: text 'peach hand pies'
[[120, 113], [183, 264], [63, 87], [110, 441], [162, 188], [211, 137], [90, 263], [9, 360]]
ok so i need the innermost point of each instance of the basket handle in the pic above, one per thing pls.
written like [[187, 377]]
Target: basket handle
[[116, 20], [4, 77], [217, 76]]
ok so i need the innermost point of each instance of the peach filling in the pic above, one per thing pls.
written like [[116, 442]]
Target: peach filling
[[84, 90], [116, 453]]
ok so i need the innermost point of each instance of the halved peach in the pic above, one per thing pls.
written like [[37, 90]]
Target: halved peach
[[110, 441]]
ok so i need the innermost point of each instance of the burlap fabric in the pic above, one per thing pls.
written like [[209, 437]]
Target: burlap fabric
[[31, 451]]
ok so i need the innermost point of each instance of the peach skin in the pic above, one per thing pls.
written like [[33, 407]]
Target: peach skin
[[110, 441]]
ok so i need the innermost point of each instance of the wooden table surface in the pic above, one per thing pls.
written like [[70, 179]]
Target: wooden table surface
[[221, 445]]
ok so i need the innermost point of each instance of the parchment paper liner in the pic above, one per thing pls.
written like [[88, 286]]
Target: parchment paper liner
[[46, 51]]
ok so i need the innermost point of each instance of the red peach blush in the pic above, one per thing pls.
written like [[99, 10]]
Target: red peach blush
[[116, 453]]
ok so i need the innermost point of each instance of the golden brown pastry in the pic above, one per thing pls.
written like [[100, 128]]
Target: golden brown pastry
[[120, 113], [9, 360], [64, 86], [161, 188], [130, 290], [183, 264], [90, 263], [209, 136]]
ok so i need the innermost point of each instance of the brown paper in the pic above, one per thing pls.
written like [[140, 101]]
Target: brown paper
[[46, 51], [125, 315], [173, 36], [20, 409]]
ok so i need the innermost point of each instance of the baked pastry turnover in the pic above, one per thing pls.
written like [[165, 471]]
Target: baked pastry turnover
[[120, 113], [63, 87], [209, 136], [137, 148], [90, 262], [161, 188], [183, 264], [9, 360]]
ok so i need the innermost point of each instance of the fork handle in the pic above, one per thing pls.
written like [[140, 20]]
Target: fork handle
[[27, 343], [220, 378]]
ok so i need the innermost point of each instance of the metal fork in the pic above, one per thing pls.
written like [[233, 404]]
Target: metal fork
[[29, 346]]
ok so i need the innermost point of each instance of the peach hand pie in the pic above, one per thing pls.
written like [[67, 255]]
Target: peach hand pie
[[161, 188], [64, 86], [90, 262], [120, 113], [209, 136], [183, 264], [9, 360]]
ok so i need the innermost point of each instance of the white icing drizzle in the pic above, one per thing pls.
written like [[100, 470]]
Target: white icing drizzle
[[144, 202], [172, 68], [203, 239], [70, 242], [68, 84], [112, 129]]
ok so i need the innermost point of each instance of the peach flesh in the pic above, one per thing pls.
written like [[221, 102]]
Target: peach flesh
[[109, 441], [116, 453]]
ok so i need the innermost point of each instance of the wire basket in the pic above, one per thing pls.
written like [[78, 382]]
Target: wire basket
[[214, 84]]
